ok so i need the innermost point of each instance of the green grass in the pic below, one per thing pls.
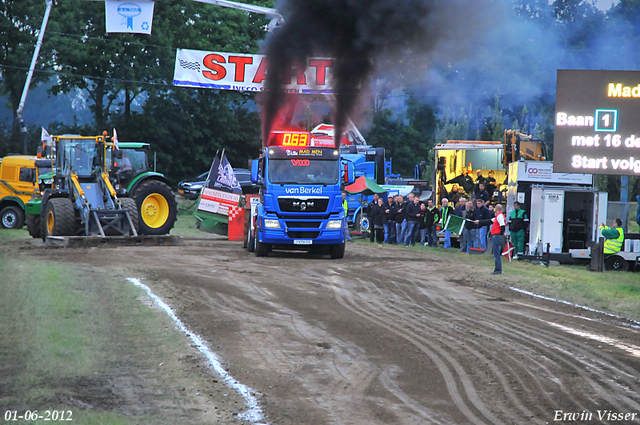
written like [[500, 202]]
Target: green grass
[[186, 224], [63, 326], [7, 235], [614, 292]]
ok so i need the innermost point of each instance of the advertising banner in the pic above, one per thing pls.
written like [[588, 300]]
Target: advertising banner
[[244, 72], [129, 16], [597, 130]]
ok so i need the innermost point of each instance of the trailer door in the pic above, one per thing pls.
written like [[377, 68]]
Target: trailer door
[[600, 212], [553, 217]]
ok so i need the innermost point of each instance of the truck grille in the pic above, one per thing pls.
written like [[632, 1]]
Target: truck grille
[[306, 224], [303, 235], [306, 205]]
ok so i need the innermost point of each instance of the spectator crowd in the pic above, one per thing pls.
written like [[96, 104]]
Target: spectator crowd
[[400, 221]]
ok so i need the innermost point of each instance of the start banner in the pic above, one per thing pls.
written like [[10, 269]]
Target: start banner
[[244, 72]]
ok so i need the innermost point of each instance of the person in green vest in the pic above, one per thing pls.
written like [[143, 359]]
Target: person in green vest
[[518, 222], [614, 236], [445, 212], [345, 205]]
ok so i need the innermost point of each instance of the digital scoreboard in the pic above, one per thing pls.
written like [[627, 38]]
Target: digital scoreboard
[[597, 122]]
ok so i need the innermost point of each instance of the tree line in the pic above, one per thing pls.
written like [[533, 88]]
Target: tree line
[[126, 79]]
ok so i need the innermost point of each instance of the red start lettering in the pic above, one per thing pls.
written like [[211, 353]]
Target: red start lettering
[[321, 66], [212, 62], [241, 62], [300, 162]]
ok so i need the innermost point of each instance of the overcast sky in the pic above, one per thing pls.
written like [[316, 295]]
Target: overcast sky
[[605, 4]]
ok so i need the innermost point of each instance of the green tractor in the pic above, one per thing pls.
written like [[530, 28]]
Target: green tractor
[[129, 170], [129, 174]]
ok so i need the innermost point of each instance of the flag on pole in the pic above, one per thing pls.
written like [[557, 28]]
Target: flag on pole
[[115, 139], [45, 140], [454, 224], [222, 177], [508, 250], [129, 16]]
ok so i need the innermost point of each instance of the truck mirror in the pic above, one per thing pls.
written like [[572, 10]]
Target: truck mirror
[[348, 173], [117, 153], [255, 176]]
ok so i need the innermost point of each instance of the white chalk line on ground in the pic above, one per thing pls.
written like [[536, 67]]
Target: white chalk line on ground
[[254, 414], [532, 294]]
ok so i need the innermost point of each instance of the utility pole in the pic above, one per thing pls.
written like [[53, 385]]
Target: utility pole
[[34, 60]]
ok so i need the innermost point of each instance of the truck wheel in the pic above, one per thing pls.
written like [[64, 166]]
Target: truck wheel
[[337, 251], [12, 218], [250, 242], [261, 249], [33, 226], [60, 216], [157, 208], [129, 204], [616, 263]]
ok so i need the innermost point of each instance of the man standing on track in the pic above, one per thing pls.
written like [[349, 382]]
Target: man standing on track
[[497, 236]]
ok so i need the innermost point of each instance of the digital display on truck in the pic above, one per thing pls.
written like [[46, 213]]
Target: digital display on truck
[[597, 122]]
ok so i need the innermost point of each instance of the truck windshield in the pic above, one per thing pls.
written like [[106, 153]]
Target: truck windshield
[[303, 171]]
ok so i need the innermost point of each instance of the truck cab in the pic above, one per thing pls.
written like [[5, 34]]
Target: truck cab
[[18, 182], [300, 205]]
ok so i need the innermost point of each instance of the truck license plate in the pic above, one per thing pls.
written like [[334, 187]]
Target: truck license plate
[[302, 241]]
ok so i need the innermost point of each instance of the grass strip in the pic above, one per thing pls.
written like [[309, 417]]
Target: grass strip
[[68, 333]]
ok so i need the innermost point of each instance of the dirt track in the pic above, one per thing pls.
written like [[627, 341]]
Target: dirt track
[[387, 336]]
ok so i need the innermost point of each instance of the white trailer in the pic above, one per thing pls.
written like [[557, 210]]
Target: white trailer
[[564, 217]]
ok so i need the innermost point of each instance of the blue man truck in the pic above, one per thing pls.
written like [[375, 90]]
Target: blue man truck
[[300, 204]]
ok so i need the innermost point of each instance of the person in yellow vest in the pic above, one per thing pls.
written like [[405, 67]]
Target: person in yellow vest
[[345, 205], [614, 236]]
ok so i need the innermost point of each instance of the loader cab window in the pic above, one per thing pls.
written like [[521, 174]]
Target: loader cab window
[[80, 157]]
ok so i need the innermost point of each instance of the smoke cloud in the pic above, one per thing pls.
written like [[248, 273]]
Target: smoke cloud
[[453, 52]]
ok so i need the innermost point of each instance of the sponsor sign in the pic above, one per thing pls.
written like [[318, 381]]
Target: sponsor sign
[[597, 130], [244, 72], [129, 16], [217, 201], [542, 172]]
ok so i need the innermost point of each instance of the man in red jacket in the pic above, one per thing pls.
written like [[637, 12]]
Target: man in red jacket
[[497, 236]]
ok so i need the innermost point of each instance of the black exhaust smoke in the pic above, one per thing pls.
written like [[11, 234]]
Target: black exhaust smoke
[[356, 33]]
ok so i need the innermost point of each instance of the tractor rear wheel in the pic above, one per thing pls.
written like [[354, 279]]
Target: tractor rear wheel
[[33, 226], [157, 208], [12, 218], [129, 204], [60, 216]]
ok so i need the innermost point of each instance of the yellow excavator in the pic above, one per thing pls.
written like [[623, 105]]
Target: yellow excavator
[[519, 146]]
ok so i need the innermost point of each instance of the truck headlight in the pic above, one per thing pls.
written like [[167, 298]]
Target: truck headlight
[[334, 224], [48, 181], [271, 224]]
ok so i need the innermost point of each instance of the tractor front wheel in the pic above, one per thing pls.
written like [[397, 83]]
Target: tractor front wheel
[[33, 226], [60, 217], [129, 204], [157, 208]]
